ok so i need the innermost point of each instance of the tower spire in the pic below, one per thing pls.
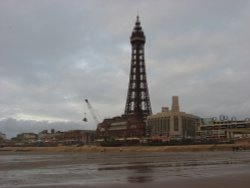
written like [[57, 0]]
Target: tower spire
[[137, 17], [138, 101]]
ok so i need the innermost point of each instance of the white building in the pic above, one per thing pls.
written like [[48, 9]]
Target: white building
[[224, 129], [172, 124]]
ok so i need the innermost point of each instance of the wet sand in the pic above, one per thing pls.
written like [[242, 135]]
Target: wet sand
[[215, 169], [236, 181]]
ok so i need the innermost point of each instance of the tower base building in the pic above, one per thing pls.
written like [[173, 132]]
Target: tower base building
[[121, 130]]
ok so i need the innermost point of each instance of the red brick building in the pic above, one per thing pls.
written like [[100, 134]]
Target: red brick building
[[127, 128]]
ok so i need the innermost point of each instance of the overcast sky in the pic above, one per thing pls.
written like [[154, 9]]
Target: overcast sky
[[56, 53]]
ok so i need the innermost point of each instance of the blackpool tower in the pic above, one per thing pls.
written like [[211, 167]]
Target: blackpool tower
[[130, 127], [138, 101]]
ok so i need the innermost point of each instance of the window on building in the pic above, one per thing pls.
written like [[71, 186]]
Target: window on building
[[176, 127], [164, 125], [168, 124]]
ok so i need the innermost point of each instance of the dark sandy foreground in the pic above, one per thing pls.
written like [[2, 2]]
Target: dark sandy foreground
[[238, 181], [208, 169]]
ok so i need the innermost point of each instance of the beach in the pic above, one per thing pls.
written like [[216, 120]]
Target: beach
[[221, 182], [94, 148], [124, 169]]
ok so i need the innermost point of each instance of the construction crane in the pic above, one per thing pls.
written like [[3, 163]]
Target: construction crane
[[91, 109]]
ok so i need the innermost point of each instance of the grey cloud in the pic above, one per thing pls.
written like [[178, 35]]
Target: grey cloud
[[54, 54]]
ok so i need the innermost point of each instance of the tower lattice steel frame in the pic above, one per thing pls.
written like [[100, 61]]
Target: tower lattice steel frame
[[138, 101]]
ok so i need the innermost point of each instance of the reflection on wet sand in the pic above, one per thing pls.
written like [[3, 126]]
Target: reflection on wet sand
[[123, 169], [142, 174], [137, 171], [140, 179]]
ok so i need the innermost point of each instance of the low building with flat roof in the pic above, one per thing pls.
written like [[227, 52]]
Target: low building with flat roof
[[2, 136], [224, 129]]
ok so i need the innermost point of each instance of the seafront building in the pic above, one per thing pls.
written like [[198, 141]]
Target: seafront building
[[223, 129], [169, 125], [25, 138], [67, 137], [2, 136], [53, 138]]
